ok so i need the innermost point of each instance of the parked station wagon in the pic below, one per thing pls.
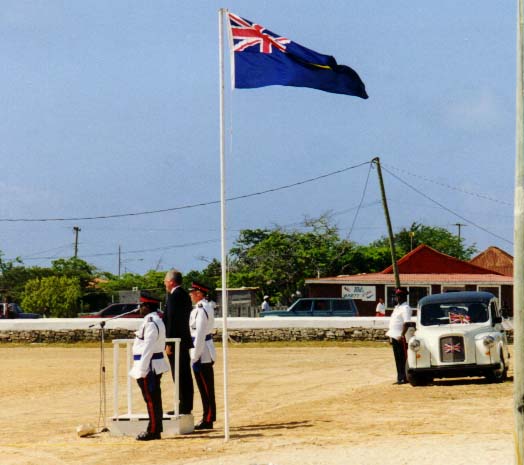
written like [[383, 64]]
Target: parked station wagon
[[316, 306], [457, 334]]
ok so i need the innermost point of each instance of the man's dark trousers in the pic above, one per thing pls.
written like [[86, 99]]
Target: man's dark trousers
[[400, 359], [185, 387], [150, 387], [205, 379]]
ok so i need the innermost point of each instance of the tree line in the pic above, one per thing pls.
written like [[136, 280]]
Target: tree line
[[276, 260]]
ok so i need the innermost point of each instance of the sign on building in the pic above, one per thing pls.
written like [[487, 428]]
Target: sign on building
[[366, 293]]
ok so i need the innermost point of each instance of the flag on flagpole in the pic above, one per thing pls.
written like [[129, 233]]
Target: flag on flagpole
[[263, 58]]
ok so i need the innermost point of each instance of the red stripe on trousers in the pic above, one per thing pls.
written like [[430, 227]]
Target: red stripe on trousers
[[203, 379], [150, 406]]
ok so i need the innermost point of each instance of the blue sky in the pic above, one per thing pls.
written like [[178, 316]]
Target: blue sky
[[112, 107]]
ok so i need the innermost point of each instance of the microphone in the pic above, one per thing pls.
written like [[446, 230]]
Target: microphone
[[102, 323]]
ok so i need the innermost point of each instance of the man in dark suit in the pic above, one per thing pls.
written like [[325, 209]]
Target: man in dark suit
[[176, 320]]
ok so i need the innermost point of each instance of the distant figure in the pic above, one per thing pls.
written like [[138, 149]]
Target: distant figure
[[381, 308], [265, 307]]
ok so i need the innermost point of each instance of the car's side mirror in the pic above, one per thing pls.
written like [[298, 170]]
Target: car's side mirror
[[497, 319]]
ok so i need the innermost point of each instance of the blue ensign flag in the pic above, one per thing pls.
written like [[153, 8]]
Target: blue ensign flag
[[262, 58]]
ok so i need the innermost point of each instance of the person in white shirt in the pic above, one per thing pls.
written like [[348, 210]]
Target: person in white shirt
[[265, 307], [149, 364], [203, 354], [381, 308], [399, 318]]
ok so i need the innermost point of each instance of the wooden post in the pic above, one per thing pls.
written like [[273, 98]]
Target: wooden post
[[376, 160]]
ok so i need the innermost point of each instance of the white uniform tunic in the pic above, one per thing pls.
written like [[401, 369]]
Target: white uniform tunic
[[148, 348], [201, 325], [401, 314]]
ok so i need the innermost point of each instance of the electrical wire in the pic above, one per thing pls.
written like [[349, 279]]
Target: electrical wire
[[186, 207], [472, 223], [475, 194], [361, 202]]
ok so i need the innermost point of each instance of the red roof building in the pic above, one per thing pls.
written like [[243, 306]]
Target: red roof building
[[423, 271], [495, 259]]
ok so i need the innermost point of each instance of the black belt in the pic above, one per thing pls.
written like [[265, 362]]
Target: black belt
[[209, 337], [156, 356]]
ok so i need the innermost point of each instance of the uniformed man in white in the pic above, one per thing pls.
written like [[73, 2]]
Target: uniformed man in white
[[149, 364], [203, 354], [399, 318]]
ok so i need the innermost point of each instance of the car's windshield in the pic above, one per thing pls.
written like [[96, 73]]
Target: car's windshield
[[453, 313]]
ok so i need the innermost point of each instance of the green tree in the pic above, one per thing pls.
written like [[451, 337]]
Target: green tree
[[75, 267], [60, 295], [152, 281], [433, 236], [278, 261], [14, 275], [209, 276]]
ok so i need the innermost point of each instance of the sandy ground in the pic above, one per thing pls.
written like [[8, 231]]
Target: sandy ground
[[288, 405]]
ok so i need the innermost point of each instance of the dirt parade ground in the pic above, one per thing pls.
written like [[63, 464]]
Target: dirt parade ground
[[294, 404]]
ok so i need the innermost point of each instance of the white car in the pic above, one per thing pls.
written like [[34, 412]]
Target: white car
[[457, 334]]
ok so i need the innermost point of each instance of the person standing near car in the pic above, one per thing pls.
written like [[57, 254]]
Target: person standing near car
[[176, 319], [265, 307], [203, 354], [148, 365], [399, 318]]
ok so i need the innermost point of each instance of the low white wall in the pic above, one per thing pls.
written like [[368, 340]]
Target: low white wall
[[59, 324]]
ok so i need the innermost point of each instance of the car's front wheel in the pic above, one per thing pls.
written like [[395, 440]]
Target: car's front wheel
[[417, 379], [500, 374]]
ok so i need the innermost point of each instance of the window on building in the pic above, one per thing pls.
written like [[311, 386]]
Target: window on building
[[415, 294], [453, 288], [494, 290]]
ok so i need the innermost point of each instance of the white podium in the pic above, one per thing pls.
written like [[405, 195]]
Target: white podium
[[129, 423]]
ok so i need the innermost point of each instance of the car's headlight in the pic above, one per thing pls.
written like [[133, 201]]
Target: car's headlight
[[488, 341], [414, 344]]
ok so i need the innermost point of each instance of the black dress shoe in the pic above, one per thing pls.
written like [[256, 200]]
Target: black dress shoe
[[171, 412], [204, 425], [147, 436]]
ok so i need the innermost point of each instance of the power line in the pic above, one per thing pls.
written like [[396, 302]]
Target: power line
[[474, 194], [185, 207], [156, 249], [361, 201], [448, 209]]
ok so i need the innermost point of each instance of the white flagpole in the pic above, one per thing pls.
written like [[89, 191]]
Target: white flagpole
[[518, 264], [223, 217]]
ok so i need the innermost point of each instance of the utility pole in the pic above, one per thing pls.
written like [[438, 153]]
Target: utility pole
[[518, 240], [119, 260], [459, 226], [76, 229], [411, 236], [376, 160]]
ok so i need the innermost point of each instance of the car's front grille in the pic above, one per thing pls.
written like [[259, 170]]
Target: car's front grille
[[452, 349]]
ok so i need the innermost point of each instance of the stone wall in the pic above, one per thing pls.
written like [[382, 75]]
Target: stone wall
[[236, 335]]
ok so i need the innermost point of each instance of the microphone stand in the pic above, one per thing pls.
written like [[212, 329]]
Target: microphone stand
[[103, 397]]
